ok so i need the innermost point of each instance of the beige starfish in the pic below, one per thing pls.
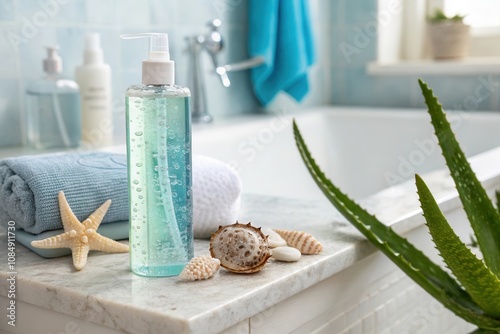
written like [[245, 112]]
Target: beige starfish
[[81, 237]]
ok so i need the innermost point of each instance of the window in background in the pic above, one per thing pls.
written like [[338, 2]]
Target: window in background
[[408, 51], [478, 13], [484, 19]]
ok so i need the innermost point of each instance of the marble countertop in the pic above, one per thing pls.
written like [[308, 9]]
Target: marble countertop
[[107, 293]]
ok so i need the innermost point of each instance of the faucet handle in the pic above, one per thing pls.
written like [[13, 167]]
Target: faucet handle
[[214, 44], [214, 24]]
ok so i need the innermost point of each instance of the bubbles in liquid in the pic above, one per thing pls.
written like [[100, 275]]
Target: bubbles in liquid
[[138, 133], [135, 182], [138, 165], [139, 190]]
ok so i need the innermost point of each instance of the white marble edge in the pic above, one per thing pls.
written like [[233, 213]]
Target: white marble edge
[[107, 293]]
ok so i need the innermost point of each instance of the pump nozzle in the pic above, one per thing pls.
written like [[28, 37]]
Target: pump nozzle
[[158, 45], [93, 51], [158, 69], [53, 63]]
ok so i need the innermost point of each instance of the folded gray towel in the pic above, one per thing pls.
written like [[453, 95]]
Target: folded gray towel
[[29, 186]]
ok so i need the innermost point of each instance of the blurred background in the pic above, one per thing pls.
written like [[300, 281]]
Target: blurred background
[[362, 58]]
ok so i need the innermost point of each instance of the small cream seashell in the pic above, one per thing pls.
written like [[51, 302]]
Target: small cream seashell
[[303, 241], [240, 248], [273, 238], [200, 267], [286, 254]]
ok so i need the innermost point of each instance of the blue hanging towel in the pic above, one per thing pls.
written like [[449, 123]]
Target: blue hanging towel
[[280, 31]]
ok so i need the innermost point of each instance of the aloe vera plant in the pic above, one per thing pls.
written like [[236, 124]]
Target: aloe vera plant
[[473, 292]]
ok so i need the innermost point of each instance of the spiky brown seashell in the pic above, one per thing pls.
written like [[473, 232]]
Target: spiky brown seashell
[[200, 267], [303, 241], [240, 248]]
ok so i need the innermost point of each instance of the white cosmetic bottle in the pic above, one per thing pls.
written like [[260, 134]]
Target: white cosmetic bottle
[[94, 79]]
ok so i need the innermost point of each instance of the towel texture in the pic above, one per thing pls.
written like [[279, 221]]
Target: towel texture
[[216, 195], [29, 186], [280, 31]]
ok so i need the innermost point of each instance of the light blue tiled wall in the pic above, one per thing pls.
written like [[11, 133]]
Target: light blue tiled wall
[[333, 79], [351, 85], [35, 24]]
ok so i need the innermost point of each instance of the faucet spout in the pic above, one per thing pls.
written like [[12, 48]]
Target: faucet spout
[[213, 43]]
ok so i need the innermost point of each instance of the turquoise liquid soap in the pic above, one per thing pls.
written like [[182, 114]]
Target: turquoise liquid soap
[[159, 167], [53, 117]]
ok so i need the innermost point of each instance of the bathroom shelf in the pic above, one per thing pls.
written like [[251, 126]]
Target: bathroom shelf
[[468, 66]]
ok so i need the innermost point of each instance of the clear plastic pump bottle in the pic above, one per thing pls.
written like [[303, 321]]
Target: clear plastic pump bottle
[[53, 118], [159, 166]]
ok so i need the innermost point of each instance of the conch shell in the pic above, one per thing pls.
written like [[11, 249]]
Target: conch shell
[[200, 267], [240, 248], [303, 241]]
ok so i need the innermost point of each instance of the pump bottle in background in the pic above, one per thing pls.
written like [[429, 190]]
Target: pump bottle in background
[[52, 117], [159, 166], [94, 79]]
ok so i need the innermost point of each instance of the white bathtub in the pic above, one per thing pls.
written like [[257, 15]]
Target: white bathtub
[[362, 150], [368, 153]]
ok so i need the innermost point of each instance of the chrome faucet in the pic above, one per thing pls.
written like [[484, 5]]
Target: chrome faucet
[[213, 43]]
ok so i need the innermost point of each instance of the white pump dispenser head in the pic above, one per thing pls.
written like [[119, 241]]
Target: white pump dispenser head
[[93, 51], [53, 63], [158, 69]]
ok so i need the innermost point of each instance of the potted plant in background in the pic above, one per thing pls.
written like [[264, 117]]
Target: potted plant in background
[[448, 35]]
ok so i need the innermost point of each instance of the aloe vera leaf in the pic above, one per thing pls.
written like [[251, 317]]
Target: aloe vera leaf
[[483, 216], [412, 261], [477, 279], [484, 331], [497, 195]]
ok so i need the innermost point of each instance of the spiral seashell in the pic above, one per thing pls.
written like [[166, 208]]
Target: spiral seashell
[[240, 248], [303, 241], [200, 267]]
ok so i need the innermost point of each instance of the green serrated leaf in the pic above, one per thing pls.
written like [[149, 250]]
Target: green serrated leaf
[[477, 279], [483, 216], [497, 196], [413, 262]]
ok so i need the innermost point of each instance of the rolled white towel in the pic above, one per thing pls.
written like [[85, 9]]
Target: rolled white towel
[[216, 193]]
